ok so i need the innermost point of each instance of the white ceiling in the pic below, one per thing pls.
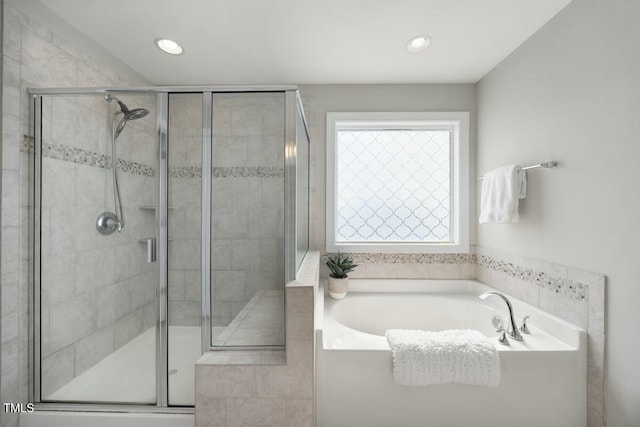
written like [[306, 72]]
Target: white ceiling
[[304, 42]]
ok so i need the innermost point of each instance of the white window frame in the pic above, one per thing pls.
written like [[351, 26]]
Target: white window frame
[[459, 123]]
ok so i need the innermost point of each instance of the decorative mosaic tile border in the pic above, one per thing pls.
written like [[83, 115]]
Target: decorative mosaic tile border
[[91, 158], [228, 172], [86, 157], [134, 168], [569, 288], [394, 258], [559, 285], [185, 172], [247, 172]]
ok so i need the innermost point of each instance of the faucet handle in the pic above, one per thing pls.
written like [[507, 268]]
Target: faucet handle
[[524, 329], [498, 323], [502, 339]]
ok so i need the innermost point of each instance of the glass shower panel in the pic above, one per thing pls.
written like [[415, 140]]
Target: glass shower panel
[[184, 220], [302, 189], [97, 291], [247, 232]]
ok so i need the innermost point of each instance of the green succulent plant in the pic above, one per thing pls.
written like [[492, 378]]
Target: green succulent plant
[[340, 265]]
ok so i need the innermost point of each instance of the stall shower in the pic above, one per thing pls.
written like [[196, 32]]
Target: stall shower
[[213, 183]]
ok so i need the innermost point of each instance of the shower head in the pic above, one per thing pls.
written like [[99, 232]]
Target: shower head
[[128, 115], [136, 113]]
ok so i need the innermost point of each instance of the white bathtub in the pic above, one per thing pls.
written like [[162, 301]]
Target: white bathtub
[[543, 378]]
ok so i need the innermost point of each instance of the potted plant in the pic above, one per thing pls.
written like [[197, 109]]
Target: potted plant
[[338, 279]]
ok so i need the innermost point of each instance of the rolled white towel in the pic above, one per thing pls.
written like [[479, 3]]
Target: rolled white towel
[[460, 356]]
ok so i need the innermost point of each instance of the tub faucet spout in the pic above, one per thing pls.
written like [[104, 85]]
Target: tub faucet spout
[[512, 330]]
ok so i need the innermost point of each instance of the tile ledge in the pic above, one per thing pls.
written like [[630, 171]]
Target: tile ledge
[[243, 358], [299, 284]]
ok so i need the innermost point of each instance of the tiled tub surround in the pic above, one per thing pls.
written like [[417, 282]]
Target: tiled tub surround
[[97, 292], [275, 388], [413, 266], [574, 295]]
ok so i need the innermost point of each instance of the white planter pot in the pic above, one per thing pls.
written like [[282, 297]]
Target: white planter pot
[[338, 287]]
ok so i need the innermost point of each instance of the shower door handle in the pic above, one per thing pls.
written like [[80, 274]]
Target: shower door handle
[[151, 249]]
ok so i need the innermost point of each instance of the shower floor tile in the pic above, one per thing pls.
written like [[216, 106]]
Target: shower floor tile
[[128, 375]]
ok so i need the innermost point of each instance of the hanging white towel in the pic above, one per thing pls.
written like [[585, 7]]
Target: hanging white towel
[[501, 190], [461, 356]]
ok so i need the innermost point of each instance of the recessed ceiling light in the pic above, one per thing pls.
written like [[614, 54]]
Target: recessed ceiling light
[[418, 43], [168, 46]]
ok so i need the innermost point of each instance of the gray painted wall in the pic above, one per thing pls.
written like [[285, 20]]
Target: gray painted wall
[[320, 99], [571, 93]]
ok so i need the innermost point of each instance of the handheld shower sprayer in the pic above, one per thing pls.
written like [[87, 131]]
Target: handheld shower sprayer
[[109, 222]]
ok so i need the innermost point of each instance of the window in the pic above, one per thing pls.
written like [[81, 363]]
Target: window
[[397, 182]]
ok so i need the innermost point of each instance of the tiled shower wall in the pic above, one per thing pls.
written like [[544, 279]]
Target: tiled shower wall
[[248, 201], [185, 207], [33, 56], [98, 291]]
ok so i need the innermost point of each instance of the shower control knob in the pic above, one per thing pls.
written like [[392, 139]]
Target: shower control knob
[[107, 223]]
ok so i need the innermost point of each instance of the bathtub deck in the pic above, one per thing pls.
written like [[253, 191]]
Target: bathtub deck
[[543, 380]]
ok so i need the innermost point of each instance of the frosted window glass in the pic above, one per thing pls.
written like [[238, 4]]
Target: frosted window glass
[[393, 186]]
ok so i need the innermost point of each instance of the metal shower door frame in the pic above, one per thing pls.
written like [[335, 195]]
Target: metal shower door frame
[[292, 105], [162, 266], [35, 255]]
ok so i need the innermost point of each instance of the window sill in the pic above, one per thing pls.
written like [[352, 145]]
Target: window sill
[[449, 248]]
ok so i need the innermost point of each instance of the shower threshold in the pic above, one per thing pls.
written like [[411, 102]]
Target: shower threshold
[[104, 419]]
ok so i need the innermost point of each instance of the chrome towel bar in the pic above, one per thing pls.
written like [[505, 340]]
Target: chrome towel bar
[[549, 165]]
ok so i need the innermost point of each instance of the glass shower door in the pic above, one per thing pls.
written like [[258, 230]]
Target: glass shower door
[[185, 139], [97, 285]]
